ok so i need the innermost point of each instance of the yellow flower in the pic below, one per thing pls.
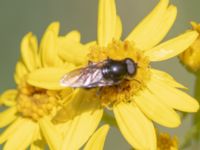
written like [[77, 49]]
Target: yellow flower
[[152, 95], [165, 142], [29, 109], [191, 56]]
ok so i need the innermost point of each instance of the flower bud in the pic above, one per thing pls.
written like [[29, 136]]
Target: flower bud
[[191, 56]]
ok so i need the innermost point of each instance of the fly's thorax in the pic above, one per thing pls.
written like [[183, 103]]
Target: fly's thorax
[[114, 70]]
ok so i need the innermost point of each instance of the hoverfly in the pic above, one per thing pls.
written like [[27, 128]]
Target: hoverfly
[[105, 73]]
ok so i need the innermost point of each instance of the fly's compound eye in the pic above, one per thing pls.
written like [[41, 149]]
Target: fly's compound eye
[[131, 66]]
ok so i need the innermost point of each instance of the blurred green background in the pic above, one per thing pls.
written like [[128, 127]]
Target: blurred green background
[[19, 17]]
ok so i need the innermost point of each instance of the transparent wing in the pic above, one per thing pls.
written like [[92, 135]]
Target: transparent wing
[[88, 77]]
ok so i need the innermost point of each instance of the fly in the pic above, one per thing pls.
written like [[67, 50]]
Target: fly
[[105, 73]]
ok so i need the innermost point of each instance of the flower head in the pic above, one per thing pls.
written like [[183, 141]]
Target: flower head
[[191, 56], [152, 95], [29, 108]]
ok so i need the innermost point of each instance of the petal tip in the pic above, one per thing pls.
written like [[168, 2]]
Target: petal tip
[[195, 107], [173, 8], [54, 26], [106, 127], [176, 123]]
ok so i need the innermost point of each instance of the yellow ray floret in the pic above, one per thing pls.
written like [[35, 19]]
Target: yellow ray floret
[[98, 138]]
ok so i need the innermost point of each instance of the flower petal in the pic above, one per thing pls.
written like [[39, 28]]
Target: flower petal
[[172, 96], [50, 133], [22, 138], [166, 78], [172, 47], [20, 71], [7, 116], [74, 36], [54, 27], [154, 27], [106, 21], [156, 110], [11, 129], [48, 78], [98, 138], [48, 47], [118, 28], [8, 98], [84, 121], [135, 127], [29, 51], [71, 51], [90, 44]]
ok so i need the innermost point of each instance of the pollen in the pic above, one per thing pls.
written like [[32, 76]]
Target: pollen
[[127, 89], [34, 102]]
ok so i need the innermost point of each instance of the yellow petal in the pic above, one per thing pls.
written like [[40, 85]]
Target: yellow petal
[[49, 54], [48, 78], [85, 121], [20, 71], [172, 47], [106, 21], [154, 27], [74, 36], [54, 27], [22, 138], [7, 116], [90, 44], [98, 138], [156, 110], [71, 51], [10, 130], [118, 28], [68, 110], [50, 133], [135, 127], [166, 78], [29, 51], [173, 97], [8, 98], [48, 47]]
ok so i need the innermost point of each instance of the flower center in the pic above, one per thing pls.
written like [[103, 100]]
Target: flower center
[[125, 90], [34, 102]]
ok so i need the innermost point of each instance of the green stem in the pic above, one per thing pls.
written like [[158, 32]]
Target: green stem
[[194, 132], [197, 86], [196, 119]]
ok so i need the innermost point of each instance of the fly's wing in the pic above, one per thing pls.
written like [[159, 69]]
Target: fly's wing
[[88, 77]]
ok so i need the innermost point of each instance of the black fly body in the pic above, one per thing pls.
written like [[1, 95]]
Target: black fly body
[[105, 73]]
